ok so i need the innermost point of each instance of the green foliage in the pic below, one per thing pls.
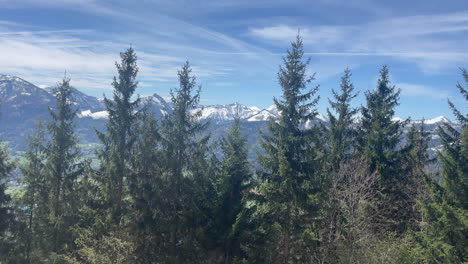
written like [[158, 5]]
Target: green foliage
[[184, 208], [233, 184], [62, 169], [118, 140], [379, 139], [288, 200], [35, 200], [7, 217], [145, 188], [443, 237], [342, 131], [380, 134], [336, 195], [112, 248]]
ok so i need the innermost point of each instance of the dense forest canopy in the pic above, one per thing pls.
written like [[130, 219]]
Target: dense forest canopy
[[164, 191]]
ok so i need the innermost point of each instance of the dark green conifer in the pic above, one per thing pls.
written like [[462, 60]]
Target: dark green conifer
[[62, 169], [119, 138], [288, 200], [35, 199], [6, 213], [445, 224], [145, 187], [380, 133], [233, 184], [380, 136], [184, 208], [342, 132]]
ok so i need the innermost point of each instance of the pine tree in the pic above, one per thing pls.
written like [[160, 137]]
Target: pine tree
[[120, 137], [36, 196], [341, 144], [145, 187], [454, 159], [380, 136], [62, 169], [6, 215], [443, 238], [342, 132], [233, 183], [413, 166], [288, 199], [184, 208]]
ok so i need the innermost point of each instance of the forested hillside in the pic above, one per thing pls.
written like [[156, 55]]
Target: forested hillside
[[166, 185]]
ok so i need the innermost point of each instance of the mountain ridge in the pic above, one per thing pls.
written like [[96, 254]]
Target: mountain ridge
[[23, 103]]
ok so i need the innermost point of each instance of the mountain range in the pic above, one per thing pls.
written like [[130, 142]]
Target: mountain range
[[23, 103]]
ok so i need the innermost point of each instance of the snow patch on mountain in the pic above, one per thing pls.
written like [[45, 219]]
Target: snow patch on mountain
[[95, 115], [226, 112], [437, 120], [263, 115]]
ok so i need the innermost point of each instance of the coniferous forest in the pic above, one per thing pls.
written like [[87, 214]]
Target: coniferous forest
[[345, 192]]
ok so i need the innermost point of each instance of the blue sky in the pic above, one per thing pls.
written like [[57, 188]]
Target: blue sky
[[235, 47]]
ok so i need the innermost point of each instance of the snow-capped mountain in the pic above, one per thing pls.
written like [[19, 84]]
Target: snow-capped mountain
[[22, 103], [262, 115], [435, 121], [227, 112], [81, 100], [20, 98], [157, 105]]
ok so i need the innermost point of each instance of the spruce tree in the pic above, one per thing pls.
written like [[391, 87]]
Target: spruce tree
[[184, 208], [379, 139], [35, 199], [341, 144], [413, 166], [62, 169], [381, 134], [288, 200], [119, 138], [454, 161], [233, 183], [6, 215], [443, 238], [145, 187], [342, 132]]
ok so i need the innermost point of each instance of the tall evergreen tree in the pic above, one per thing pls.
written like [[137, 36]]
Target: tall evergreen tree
[[6, 215], [379, 139], [341, 144], [342, 132], [288, 199], [413, 166], [36, 196], [233, 183], [454, 161], [381, 134], [183, 208], [443, 238], [62, 168], [120, 137], [145, 187]]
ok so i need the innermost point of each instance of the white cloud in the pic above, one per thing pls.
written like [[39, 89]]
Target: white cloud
[[311, 35], [409, 89], [425, 40], [43, 57]]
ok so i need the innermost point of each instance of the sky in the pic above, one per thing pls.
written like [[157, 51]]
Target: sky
[[235, 47]]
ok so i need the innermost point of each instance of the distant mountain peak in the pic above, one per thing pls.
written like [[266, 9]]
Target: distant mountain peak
[[19, 92], [434, 121], [439, 119]]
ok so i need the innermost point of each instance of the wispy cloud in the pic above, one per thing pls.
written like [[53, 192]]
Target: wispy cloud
[[42, 56], [421, 39], [408, 89]]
